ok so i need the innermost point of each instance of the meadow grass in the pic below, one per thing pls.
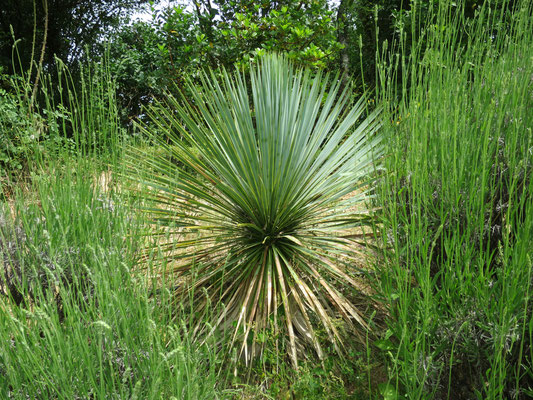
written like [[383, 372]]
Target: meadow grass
[[77, 321], [85, 327], [457, 229]]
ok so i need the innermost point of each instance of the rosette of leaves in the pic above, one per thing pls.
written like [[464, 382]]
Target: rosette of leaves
[[259, 217]]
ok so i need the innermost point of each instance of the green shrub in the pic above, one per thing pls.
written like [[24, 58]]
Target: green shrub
[[21, 129], [262, 227]]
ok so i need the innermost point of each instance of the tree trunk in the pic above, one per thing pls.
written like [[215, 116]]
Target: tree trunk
[[342, 37]]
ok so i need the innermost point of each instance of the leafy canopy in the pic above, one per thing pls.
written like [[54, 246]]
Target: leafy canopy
[[66, 26]]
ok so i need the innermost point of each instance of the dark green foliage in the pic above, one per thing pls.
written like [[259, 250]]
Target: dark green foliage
[[372, 29], [363, 27], [25, 132], [158, 55], [20, 130], [73, 26], [151, 57], [302, 29]]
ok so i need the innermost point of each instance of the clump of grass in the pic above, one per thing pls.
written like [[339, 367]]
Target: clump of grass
[[111, 340], [458, 215], [76, 321]]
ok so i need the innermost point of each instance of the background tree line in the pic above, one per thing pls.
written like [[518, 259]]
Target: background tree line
[[150, 56]]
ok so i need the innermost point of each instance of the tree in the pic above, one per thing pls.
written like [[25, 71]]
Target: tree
[[238, 30], [149, 57], [71, 26], [153, 56]]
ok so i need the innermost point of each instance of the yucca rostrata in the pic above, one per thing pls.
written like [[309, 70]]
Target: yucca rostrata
[[254, 184]]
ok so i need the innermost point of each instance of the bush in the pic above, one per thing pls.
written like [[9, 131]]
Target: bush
[[21, 129], [262, 226]]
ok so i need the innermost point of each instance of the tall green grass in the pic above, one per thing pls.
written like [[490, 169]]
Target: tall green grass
[[77, 320], [457, 203], [71, 115], [85, 327]]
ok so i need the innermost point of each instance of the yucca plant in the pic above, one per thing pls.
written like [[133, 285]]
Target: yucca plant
[[255, 185]]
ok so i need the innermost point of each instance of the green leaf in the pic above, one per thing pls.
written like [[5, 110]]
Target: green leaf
[[388, 391], [384, 344]]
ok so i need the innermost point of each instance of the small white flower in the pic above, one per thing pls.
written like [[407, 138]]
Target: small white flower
[[102, 324]]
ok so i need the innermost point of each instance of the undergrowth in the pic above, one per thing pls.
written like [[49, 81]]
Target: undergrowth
[[458, 209]]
